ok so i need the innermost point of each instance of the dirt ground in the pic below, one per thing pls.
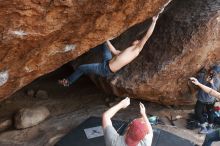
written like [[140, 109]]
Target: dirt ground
[[81, 100]]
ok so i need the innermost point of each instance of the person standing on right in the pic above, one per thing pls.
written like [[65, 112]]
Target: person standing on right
[[206, 101], [215, 135]]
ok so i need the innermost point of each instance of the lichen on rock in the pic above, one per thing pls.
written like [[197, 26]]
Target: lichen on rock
[[3, 77]]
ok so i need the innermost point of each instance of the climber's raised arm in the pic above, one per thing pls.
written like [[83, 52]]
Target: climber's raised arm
[[152, 26], [149, 32]]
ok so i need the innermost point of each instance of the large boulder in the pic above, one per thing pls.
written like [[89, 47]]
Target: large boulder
[[39, 36], [186, 38], [28, 117]]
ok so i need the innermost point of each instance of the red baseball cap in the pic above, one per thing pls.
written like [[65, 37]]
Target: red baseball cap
[[136, 132]]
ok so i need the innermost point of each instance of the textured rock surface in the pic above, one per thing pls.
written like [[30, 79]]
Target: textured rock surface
[[187, 38], [28, 117], [38, 36]]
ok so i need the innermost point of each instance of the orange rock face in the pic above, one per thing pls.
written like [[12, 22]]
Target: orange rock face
[[38, 36], [186, 38]]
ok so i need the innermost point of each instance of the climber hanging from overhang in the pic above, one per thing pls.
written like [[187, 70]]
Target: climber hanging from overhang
[[111, 65]]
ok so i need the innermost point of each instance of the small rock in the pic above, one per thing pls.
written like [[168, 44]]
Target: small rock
[[30, 92], [41, 94], [179, 117], [55, 139], [5, 124], [28, 117]]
